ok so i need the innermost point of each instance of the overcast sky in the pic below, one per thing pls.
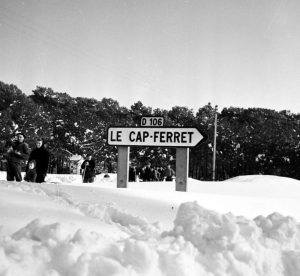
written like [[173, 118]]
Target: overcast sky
[[164, 53]]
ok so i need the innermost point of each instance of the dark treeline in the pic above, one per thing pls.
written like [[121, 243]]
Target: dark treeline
[[249, 141]]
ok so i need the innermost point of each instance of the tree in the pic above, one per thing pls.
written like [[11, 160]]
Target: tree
[[249, 141]]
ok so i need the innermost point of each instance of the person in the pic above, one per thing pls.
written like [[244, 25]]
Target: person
[[169, 173], [30, 175], [141, 173], [147, 173], [88, 170], [16, 156], [156, 174], [41, 156], [161, 173], [132, 173]]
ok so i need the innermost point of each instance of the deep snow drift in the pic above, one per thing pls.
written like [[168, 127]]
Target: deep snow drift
[[244, 226]]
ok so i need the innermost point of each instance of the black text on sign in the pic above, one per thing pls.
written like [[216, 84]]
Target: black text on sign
[[168, 137]]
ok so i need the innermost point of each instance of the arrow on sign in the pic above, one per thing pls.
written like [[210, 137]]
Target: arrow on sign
[[156, 137]]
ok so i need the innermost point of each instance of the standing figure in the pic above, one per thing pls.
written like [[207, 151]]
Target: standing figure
[[169, 173], [141, 173], [155, 174], [30, 175], [17, 154], [41, 156], [132, 173], [161, 173], [147, 172], [88, 169]]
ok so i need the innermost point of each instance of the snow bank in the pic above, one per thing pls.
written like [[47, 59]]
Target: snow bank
[[230, 245], [76, 178], [201, 241]]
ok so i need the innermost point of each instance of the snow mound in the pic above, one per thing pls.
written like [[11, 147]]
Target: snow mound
[[76, 178], [202, 242], [229, 245], [259, 178], [199, 242]]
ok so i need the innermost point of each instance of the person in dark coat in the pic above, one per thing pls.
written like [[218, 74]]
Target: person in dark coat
[[169, 173], [16, 156], [147, 173], [141, 173], [88, 170], [41, 156], [155, 174], [30, 175], [161, 173], [132, 173]]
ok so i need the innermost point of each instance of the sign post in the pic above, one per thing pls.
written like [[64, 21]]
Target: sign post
[[182, 169], [182, 138], [123, 166]]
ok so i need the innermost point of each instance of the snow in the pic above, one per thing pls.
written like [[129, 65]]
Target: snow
[[244, 226]]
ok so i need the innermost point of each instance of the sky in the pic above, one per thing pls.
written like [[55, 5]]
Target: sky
[[244, 226], [241, 53]]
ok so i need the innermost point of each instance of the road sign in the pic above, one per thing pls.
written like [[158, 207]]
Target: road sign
[[155, 136], [152, 121]]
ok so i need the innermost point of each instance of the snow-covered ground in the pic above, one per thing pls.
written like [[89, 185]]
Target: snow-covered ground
[[244, 226]]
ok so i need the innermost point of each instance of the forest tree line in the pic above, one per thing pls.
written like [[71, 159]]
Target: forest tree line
[[249, 141]]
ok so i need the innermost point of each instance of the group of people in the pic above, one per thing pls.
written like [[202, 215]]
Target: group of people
[[37, 160], [18, 155], [149, 173]]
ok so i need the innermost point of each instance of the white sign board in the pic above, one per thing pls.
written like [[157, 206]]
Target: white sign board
[[152, 121], [152, 136]]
